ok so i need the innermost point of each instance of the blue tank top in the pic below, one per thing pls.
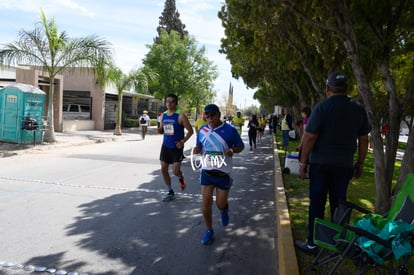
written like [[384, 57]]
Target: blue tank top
[[173, 131]]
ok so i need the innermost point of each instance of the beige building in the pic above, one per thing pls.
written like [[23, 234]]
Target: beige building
[[79, 103]]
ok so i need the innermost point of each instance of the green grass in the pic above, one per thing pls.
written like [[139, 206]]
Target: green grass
[[360, 191]]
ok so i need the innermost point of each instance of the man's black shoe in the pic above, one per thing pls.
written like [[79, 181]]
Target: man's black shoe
[[313, 250]]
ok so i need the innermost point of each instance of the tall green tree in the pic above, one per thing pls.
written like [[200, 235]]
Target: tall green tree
[[373, 36], [287, 48], [53, 52], [170, 21], [180, 67], [135, 80]]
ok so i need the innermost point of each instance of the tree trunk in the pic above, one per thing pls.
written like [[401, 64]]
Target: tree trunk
[[382, 186], [407, 164], [118, 131], [49, 135]]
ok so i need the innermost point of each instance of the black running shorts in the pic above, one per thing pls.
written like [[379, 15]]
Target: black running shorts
[[171, 155]]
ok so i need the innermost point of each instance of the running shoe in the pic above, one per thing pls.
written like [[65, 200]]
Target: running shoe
[[224, 216], [169, 196], [182, 183], [208, 237]]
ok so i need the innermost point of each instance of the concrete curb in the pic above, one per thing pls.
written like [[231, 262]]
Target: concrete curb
[[287, 261]]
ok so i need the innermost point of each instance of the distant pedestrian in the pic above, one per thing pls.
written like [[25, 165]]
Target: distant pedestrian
[[337, 131], [238, 122], [252, 132], [200, 122], [261, 128], [144, 122], [217, 142], [172, 125]]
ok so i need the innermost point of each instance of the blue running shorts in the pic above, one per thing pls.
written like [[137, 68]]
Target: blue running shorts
[[217, 178]]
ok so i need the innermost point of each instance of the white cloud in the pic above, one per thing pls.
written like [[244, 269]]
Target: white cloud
[[77, 7]]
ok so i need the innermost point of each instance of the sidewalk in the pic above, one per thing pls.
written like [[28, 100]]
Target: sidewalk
[[76, 138]]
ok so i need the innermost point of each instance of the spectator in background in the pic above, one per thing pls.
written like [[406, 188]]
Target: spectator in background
[[286, 127], [306, 111], [159, 117], [384, 130], [336, 130], [273, 123]]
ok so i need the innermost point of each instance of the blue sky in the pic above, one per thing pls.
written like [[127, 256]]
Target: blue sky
[[129, 26]]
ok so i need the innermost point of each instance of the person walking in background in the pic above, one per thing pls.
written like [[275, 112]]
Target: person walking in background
[[238, 122], [286, 127], [200, 122], [172, 125], [336, 129], [253, 127], [144, 122], [217, 142], [261, 128]]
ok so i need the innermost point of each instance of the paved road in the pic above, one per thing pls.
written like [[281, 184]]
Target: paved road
[[97, 209]]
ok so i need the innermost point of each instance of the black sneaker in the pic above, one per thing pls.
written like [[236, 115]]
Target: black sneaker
[[307, 248]]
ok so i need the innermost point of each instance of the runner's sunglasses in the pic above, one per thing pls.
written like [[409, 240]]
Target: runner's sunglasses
[[210, 114]]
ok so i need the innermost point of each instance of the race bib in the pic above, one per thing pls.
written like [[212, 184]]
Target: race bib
[[214, 159], [168, 129]]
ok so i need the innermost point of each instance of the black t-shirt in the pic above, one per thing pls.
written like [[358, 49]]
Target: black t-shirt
[[338, 122], [253, 125]]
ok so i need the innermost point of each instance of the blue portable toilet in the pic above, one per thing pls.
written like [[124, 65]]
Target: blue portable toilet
[[21, 113]]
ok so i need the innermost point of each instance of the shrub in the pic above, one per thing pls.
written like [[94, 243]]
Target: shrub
[[128, 123]]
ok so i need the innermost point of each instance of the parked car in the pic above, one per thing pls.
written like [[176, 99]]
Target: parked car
[[76, 112]]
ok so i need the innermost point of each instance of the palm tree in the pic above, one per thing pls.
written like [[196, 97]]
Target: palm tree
[[53, 52], [135, 80]]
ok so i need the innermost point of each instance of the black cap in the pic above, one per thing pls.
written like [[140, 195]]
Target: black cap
[[337, 80], [211, 108]]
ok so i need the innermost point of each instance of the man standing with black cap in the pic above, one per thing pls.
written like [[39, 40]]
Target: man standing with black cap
[[337, 128], [217, 142]]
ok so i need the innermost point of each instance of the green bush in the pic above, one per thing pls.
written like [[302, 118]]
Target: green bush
[[128, 123]]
